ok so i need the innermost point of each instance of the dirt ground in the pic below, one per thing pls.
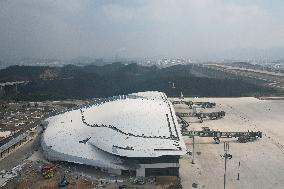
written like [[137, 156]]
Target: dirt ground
[[79, 177], [261, 162]]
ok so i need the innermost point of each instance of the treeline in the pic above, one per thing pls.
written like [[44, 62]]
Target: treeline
[[83, 82]]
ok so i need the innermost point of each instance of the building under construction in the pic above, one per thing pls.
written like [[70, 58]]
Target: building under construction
[[135, 135]]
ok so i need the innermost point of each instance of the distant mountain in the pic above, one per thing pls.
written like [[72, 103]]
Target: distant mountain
[[84, 60], [82, 82], [249, 54], [34, 62], [2, 65]]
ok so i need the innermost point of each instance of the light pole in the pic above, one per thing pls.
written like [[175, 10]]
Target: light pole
[[193, 151], [226, 156]]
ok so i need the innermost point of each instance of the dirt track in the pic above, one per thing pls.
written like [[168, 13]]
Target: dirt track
[[261, 162]]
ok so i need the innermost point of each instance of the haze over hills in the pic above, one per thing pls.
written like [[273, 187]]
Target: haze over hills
[[258, 55], [164, 36], [81, 82]]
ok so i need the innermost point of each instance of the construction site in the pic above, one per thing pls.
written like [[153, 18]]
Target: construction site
[[141, 94], [255, 160], [203, 143]]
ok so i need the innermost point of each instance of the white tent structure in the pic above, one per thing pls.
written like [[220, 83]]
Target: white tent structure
[[135, 134]]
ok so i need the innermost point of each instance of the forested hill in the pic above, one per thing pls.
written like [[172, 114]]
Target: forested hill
[[55, 83]]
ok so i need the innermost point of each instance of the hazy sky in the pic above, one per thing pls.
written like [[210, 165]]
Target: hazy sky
[[69, 28]]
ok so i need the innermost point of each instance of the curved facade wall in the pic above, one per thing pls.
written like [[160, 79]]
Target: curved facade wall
[[105, 132]]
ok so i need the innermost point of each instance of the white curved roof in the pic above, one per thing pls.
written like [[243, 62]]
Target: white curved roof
[[61, 138], [154, 95], [144, 126]]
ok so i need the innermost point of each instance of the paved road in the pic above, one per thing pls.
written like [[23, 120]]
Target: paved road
[[261, 161], [16, 157]]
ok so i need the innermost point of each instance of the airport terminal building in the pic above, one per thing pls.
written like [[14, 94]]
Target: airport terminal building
[[136, 134]]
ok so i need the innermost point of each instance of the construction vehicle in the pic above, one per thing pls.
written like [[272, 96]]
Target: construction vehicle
[[139, 181], [63, 182], [48, 170], [216, 135]]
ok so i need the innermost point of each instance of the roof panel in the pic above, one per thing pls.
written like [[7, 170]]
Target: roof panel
[[132, 127]]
